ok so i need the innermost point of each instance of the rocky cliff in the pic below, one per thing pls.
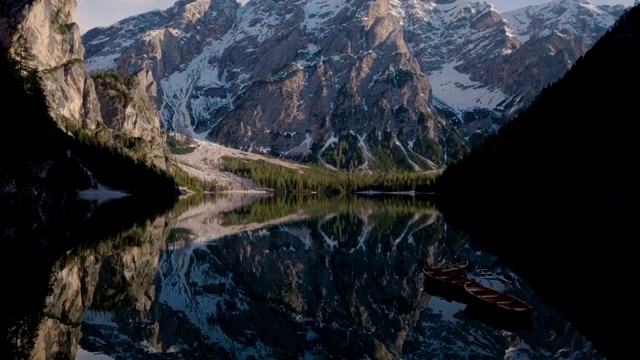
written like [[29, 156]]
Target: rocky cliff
[[41, 36], [126, 110]]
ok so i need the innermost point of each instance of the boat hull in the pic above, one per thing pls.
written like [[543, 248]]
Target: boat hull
[[496, 304], [446, 285]]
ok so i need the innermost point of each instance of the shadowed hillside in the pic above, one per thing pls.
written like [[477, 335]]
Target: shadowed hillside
[[42, 168], [555, 191]]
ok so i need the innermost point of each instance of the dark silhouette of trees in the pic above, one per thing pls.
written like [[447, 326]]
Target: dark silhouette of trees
[[555, 190], [318, 179]]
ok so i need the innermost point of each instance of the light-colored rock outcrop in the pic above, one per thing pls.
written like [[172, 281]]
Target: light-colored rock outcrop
[[128, 112], [43, 36]]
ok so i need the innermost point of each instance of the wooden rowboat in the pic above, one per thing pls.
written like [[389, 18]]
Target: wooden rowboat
[[451, 277], [497, 302], [459, 268], [447, 284]]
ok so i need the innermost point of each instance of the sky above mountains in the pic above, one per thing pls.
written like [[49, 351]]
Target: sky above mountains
[[94, 13]]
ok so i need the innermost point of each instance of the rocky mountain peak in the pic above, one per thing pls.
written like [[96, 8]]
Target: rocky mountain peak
[[414, 82], [189, 15]]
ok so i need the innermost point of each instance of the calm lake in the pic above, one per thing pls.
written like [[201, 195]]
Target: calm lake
[[245, 276]]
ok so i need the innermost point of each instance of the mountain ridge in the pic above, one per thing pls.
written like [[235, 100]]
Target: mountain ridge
[[553, 223], [349, 56]]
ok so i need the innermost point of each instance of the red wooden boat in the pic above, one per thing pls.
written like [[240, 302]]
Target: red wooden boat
[[458, 268], [446, 283], [451, 277], [497, 302]]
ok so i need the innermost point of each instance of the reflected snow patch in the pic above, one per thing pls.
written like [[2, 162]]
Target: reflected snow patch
[[83, 354], [101, 194]]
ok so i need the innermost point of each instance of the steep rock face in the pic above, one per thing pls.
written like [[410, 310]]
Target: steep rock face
[[386, 82], [41, 35], [348, 78], [127, 110]]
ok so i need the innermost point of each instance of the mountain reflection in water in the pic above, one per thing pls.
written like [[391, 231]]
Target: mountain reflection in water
[[240, 276]]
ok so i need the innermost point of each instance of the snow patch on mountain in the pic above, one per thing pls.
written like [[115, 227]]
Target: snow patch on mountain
[[318, 12], [259, 21], [396, 8], [520, 23], [180, 105], [303, 149], [561, 16], [107, 60], [104, 63], [461, 93]]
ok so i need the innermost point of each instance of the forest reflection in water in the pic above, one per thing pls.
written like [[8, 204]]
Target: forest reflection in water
[[244, 276]]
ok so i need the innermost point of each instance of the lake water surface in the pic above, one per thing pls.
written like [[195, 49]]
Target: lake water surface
[[240, 276]]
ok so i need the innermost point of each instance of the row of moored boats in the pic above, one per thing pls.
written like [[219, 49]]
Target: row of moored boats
[[453, 283]]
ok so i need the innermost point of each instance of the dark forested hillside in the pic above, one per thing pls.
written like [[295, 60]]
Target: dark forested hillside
[[42, 168], [555, 191]]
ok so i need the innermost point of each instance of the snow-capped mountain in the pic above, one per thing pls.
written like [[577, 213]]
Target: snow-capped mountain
[[380, 80]]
